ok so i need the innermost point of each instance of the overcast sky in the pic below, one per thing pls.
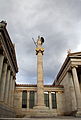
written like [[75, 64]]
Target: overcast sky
[[58, 21]]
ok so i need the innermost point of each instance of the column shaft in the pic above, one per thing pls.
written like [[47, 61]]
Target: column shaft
[[3, 81], [77, 87], [13, 89], [72, 93], [7, 86], [28, 95], [35, 98], [10, 90], [20, 100], [40, 87], [1, 65], [50, 101]]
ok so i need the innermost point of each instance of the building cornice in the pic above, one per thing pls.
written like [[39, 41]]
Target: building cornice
[[34, 85], [71, 59], [9, 45]]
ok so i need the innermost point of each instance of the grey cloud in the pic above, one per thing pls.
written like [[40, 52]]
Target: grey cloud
[[57, 21]]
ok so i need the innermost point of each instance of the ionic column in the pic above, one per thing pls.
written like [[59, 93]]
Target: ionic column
[[10, 90], [77, 88], [20, 100], [3, 81], [28, 95], [35, 98], [1, 65], [50, 101], [13, 89], [60, 102], [72, 93], [7, 86]]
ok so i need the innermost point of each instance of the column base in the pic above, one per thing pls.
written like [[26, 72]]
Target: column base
[[78, 113], [41, 107]]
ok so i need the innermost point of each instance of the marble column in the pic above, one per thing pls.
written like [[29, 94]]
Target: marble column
[[1, 65], [7, 86], [60, 102], [3, 81], [10, 90], [35, 98], [40, 87], [28, 95], [13, 90], [72, 93], [50, 101], [20, 99], [77, 89], [40, 82]]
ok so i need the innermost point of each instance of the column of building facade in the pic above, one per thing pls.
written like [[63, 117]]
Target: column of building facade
[[28, 95], [7, 86], [77, 88], [20, 99], [35, 101], [50, 101], [60, 101], [1, 65], [3, 81], [10, 89], [72, 93]]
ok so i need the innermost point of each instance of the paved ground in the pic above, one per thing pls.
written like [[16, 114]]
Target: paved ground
[[56, 118]]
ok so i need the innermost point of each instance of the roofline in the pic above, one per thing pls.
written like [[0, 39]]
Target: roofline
[[61, 69], [70, 55], [4, 31], [34, 85]]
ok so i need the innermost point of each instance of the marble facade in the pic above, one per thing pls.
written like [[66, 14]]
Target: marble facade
[[8, 70]]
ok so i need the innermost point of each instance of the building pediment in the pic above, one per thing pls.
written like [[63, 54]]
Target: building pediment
[[76, 54]]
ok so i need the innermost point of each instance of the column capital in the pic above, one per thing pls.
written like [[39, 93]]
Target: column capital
[[3, 24], [12, 74], [60, 92], [5, 60], [14, 77], [1, 50], [0, 45], [9, 68], [41, 50], [74, 66]]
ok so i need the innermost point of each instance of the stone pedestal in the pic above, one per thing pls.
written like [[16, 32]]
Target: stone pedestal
[[41, 113]]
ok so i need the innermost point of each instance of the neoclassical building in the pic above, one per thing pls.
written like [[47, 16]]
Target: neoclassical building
[[8, 70], [63, 97]]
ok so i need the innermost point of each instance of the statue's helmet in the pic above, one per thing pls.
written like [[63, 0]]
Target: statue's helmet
[[42, 40]]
